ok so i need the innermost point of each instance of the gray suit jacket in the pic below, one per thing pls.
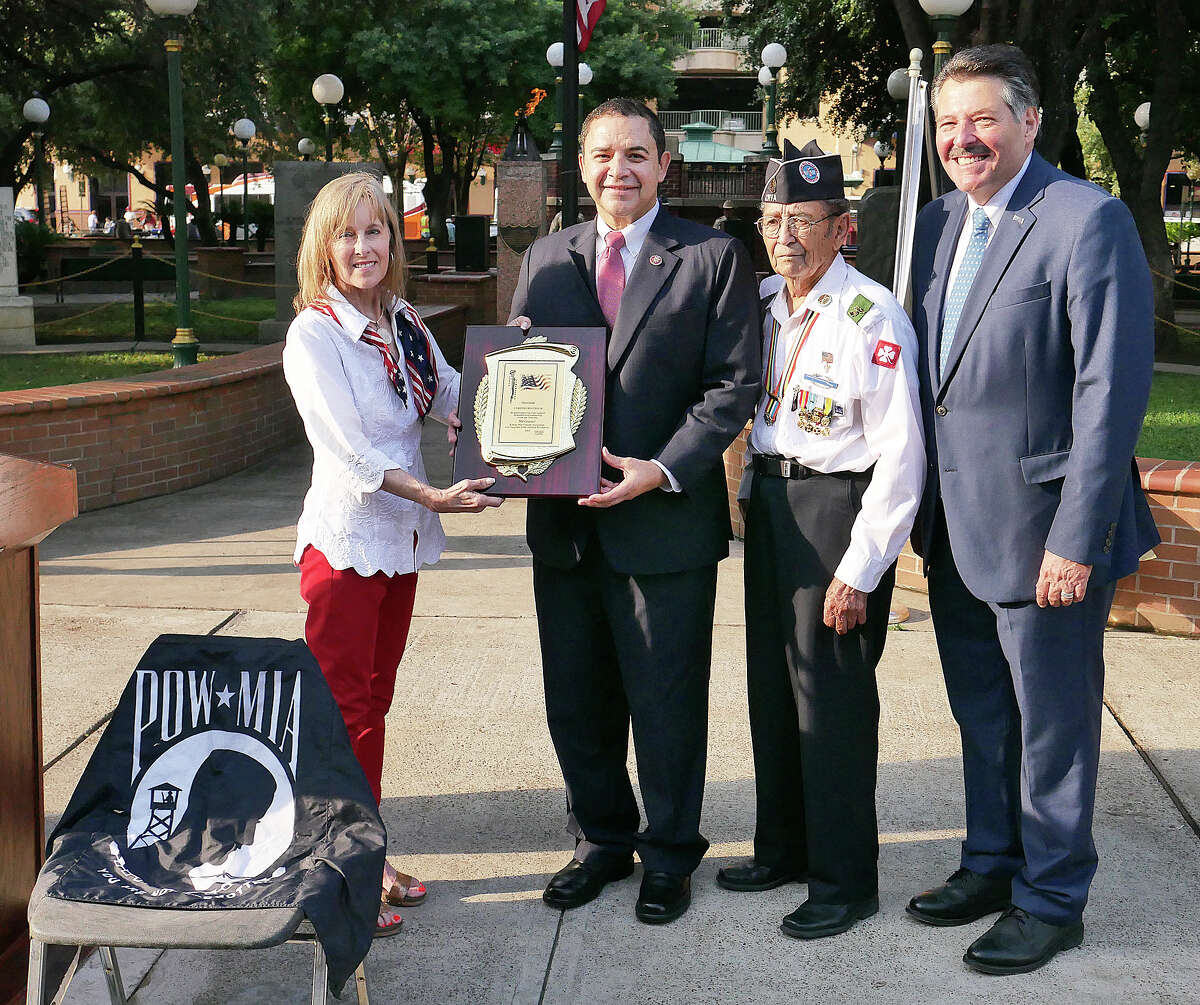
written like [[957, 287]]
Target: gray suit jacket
[[1032, 426], [684, 364]]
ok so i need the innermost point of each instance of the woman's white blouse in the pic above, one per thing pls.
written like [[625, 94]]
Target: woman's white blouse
[[359, 429]]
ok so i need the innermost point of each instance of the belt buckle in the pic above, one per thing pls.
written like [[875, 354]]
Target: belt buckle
[[785, 468]]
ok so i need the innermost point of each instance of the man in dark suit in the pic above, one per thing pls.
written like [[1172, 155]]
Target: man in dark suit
[[625, 580], [1033, 310]]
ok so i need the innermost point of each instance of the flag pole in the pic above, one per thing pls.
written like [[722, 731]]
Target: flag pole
[[568, 168]]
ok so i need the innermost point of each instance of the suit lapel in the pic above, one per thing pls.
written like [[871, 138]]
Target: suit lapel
[[643, 286], [582, 248], [935, 297], [1014, 226]]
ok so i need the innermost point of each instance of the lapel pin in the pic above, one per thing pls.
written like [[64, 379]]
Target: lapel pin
[[1019, 220], [656, 259], [824, 300]]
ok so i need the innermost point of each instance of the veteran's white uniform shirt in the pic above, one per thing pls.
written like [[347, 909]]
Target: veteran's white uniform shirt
[[850, 402]]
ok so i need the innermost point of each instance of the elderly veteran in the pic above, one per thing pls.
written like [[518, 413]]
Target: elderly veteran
[[829, 493]]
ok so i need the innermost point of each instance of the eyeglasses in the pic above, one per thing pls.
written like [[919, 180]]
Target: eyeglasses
[[797, 226]]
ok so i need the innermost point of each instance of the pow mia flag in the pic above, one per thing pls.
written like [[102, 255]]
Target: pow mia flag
[[226, 780]]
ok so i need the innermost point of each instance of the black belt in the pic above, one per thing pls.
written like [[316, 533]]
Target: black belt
[[781, 467]]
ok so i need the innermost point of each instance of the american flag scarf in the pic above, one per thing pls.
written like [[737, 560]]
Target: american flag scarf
[[415, 342]]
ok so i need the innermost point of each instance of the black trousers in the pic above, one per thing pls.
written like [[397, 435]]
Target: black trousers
[[620, 649], [814, 707]]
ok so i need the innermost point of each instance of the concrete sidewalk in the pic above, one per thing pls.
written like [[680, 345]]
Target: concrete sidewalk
[[474, 801]]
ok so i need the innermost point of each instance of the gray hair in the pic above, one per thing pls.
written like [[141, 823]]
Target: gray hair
[[1006, 63], [833, 207]]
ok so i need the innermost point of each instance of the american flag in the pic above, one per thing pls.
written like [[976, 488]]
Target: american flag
[[587, 13], [418, 357], [530, 381]]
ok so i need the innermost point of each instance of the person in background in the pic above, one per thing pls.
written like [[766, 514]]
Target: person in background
[[366, 373]]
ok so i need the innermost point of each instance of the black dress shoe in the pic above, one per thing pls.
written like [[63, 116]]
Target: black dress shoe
[[577, 882], [747, 876], [965, 897], [1019, 943], [815, 921], [664, 897]]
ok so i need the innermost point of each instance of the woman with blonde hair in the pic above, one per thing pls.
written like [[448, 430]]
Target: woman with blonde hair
[[365, 373]]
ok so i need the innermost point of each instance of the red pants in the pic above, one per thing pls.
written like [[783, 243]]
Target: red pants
[[357, 628]]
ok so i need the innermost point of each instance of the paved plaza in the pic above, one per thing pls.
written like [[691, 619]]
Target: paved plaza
[[474, 802]]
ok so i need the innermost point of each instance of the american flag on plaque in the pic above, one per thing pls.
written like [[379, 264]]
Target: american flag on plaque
[[587, 13]]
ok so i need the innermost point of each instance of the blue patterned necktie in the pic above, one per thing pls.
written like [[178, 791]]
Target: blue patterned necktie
[[980, 225]]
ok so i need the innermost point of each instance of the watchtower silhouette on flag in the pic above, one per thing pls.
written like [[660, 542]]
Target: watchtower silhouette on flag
[[163, 800]]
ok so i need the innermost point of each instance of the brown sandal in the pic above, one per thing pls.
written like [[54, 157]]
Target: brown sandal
[[406, 891], [390, 925]]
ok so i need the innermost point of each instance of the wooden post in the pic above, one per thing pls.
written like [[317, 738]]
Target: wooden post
[[34, 499]]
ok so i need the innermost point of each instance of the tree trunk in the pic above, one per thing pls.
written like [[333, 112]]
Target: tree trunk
[[1147, 213]]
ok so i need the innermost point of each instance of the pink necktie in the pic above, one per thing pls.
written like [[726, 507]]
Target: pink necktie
[[610, 276]]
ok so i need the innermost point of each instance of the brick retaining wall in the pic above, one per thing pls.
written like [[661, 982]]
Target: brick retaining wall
[[142, 436], [1163, 595]]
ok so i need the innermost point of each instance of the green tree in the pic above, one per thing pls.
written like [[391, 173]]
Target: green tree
[[443, 80], [103, 69]]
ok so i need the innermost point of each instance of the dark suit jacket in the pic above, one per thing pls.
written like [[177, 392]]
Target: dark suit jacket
[[684, 365], [1032, 426]]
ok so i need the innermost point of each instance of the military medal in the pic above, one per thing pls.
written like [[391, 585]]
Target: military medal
[[815, 414], [774, 382]]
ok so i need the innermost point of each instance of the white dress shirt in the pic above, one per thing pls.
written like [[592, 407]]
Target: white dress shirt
[[359, 429], [994, 208], [865, 375], [635, 237], [634, 234]]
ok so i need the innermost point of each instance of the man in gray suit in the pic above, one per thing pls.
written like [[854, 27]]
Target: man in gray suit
[[1033, 310]]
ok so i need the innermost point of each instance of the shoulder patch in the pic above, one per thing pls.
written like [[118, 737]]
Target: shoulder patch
[[858, 308], [886, 354]]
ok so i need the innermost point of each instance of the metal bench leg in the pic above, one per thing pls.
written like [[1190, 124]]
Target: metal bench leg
[[360, 984], [35, 990], [320, 974], [112, 976]]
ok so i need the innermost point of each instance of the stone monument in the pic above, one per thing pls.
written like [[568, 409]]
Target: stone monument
[[296, 185], [520, 211], [16, 312], [878, 218]]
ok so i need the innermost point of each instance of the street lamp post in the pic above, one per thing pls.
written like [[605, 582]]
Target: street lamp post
[[306, 147], [36, 112], [774, 56], [943, 14], [221, 162], [897, 88], [244, 131], [328, 90], [184, 343], [1141, 118], [554, 56], [585, 78]]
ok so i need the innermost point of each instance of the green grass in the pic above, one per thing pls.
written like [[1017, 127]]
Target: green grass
[[1172, 427], [114, 322], [22, 372]]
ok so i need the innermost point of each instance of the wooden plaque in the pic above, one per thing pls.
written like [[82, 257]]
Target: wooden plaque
[[532, 409]]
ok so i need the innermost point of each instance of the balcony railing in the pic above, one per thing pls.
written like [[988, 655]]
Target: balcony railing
[[706, 182], [713, 38], [718, 118]]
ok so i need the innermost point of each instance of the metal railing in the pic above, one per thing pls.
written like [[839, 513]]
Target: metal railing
[[718, 118], [713, 38]]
